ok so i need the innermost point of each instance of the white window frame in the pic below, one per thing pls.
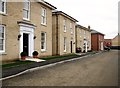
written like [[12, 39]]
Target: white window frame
[[64, 25], [43, 16], [3, 12], [44, 43], [65, 44], [71, 28], [24, 9], [2, 51]]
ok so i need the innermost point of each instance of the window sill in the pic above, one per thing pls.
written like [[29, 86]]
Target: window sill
[[42, 51], [26, 19], [3, 53], [4, 14], [65, 51], [43, 24]]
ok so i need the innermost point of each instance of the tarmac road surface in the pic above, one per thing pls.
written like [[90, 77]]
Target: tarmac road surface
[[97, 70]]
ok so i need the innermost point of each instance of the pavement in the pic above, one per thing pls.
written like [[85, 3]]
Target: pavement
[[18, 70]]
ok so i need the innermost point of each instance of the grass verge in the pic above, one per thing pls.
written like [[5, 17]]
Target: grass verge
[[16, 63], [63, 56]]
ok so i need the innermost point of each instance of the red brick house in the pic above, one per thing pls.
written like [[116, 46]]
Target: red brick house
[[97, 41]]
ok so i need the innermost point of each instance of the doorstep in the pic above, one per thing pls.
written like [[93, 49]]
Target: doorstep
[[34, 59]]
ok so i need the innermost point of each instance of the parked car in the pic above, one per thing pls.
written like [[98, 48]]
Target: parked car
[[106, 48]]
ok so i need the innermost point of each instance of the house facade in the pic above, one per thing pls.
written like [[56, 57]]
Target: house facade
[[97, 41], [63, 33], [83, 38], [116, 40], [25, 26]]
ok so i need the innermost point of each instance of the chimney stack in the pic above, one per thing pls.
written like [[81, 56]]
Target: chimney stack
[[88, 27]]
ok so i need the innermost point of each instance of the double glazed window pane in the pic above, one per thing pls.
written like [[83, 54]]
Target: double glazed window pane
[[43, 40], [43, 16], [25, 13], [1, 37], [2, 5], [1, 32], [64, 43], [26, 8]]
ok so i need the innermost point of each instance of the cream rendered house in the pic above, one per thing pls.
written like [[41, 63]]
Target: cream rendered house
[[83, 38], [63, 33], [25, 26]]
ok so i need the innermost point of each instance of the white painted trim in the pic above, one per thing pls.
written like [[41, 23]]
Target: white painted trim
[[29, 30]]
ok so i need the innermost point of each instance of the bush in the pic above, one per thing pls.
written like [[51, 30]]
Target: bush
[[23, 54], [78, 50], [35, 53]]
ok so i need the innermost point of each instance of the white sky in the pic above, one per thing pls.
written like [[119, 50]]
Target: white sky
[[101, 15]]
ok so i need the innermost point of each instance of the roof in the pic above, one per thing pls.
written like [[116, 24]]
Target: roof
[[82, 27], [47, 4], [117, 36], [64, 14], [96, 32]]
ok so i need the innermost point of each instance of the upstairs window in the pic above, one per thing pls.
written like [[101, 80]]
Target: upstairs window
[[64, 24], [43, 16], [84, 34], [26, 9], [71, 30], [3, 6], [80, 33], [2, 38]]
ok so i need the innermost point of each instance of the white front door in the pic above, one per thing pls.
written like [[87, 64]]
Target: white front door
[[26, 40]]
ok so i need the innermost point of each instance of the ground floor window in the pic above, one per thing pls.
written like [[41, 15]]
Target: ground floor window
[[2, 38], [64, 44], [43, 41]]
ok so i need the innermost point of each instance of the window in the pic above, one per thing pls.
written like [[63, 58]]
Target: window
[[43, 41], [64, 44], [2, 38], [71, 28], [64, 24], [3, 6], [80, 33], [26, 9], [43, 16], [80, 43], [84, 34]]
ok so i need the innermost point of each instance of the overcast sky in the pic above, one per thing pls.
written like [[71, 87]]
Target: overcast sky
[[101, 15]]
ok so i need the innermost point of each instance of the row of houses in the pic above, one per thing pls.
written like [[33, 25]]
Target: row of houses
[[36, 25]]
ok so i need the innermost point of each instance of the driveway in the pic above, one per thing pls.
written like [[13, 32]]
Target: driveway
[[97, 70]]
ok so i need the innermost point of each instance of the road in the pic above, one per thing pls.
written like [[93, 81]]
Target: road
[[96, 70]]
